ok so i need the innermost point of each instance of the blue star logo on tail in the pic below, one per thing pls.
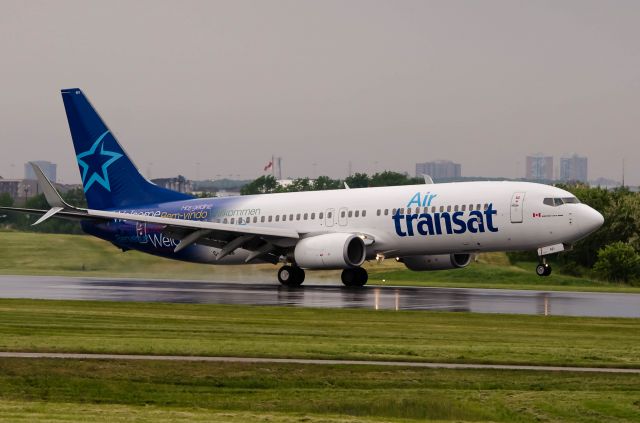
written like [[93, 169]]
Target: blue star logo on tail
[[95, 162]]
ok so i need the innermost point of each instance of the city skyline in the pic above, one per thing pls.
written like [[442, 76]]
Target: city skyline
[[229, 84]]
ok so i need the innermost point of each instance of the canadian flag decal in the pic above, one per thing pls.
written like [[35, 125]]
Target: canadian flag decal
[[537, 215]]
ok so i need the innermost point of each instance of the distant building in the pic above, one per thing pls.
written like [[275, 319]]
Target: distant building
[[179, 183], [49, 169], [19, 189], [573, 168], [439, 169], [539, 168]]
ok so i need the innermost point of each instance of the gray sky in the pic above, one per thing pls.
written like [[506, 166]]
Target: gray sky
[[381, 83]]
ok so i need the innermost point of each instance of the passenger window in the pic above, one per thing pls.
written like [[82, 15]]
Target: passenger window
[[306, 216], [486, 206], [433, 209], [464, 207], [233, 219], [378, 212], [393, 212], [478, 207], [364, 213], [291, 217], [386, 212], [313, 216], [320, 215], [455, 208], [408, 210], [277, 217], [357, 213], [284, 217], [470, 207], [342, 214], [350, 213], [441, 209], [225, 220], [449, 209], [298, 216], [270, 218], [255, 219], [329, 215]]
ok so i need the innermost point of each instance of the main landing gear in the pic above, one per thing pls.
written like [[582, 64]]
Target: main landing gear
[[291, 276], [543, 269], [354, 277], [294, 276]]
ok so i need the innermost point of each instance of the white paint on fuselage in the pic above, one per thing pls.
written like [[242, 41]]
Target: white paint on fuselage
[[541, 225]]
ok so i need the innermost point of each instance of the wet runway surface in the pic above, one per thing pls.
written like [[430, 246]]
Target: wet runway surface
[[331, 296]]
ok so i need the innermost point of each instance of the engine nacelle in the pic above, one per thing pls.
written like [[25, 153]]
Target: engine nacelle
[[437, 262], [330, 251]]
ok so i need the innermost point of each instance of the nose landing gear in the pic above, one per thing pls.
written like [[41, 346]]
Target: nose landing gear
[[543, 269]]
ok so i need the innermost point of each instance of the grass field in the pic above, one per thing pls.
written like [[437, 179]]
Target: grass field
[[162, 391], [62, 390], [24, 253], [220, 330]]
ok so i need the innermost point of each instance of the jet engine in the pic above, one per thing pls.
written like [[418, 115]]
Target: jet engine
[[436, 262], [330, 251]]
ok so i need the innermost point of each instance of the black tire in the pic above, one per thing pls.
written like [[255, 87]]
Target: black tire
[[299, 276], [547, 270], [354, 277], [348, 277], [541, 270], [361, 276], [291, 276]]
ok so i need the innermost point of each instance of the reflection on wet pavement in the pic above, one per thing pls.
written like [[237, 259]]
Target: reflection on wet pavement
[[334, 296]]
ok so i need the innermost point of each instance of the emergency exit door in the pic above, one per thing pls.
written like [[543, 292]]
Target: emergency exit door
[[517, 203]]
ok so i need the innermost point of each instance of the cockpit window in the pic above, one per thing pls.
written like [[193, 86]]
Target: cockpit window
[[555, 202]]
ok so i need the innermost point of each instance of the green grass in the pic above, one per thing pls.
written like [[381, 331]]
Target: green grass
[[76, 255], [219, 330], [69, 390]]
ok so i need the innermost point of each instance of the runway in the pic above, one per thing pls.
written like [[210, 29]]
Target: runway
[[556, 303], [420, 364]]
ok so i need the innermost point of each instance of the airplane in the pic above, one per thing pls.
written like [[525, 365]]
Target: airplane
[[426, 226]]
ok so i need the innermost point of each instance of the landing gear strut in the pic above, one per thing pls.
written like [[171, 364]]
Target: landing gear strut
[[543, 269], [354, 277], [291, 276]]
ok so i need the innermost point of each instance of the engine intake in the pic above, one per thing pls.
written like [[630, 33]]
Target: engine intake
[[436, 262], [330, 251]]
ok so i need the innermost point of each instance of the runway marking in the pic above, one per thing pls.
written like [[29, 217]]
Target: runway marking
[[428, 365]]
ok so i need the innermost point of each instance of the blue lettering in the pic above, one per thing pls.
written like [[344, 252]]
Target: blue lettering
[[461, 225], [397, 217], [414, 200], [488, 213], [426, 220], [435, 223]]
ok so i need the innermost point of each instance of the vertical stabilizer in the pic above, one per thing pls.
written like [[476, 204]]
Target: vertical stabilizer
[[109, 178]]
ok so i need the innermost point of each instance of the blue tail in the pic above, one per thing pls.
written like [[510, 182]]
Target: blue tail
[[109, 178]]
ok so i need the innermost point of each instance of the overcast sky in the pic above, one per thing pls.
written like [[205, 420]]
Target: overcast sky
[[382, 84]]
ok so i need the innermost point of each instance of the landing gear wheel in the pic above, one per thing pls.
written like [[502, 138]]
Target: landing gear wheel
[[291, 276], [354, 277], [543, 269]]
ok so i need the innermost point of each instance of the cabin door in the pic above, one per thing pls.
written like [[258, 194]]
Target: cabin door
[[517, 205]]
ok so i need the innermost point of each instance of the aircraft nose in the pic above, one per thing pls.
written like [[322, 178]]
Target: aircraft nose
[[591, 220]]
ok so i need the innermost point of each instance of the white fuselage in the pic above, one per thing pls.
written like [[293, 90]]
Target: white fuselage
[[465, 217]]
